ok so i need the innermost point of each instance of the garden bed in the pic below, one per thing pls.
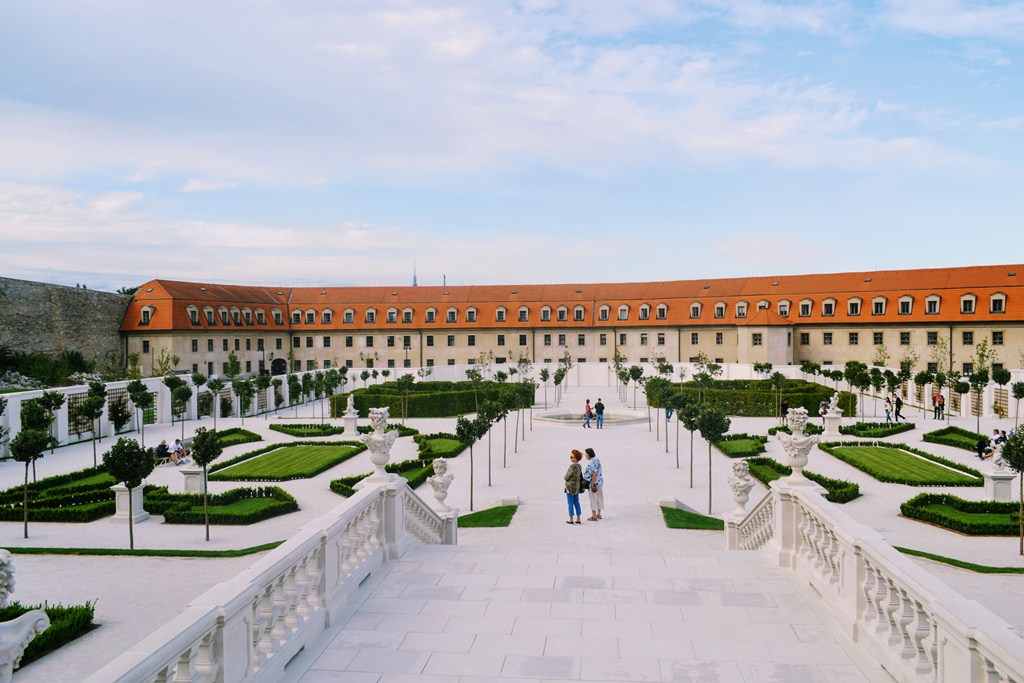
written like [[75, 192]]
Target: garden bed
[[955, 437], [235, 436], [809, 428], [767, 470], [438, 445], [974, 518], [286, 462], [235, 507], [415, 472], [898, 463], [66, 624], [82, 496], [741, 445], [401, 428], [876, 430], [307, 430]]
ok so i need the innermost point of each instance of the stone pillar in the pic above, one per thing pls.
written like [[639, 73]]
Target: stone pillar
[[351, 418], [999, 485], [139, 514], [193, 479]]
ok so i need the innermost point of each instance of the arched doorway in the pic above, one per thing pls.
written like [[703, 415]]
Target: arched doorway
[[278, 366]]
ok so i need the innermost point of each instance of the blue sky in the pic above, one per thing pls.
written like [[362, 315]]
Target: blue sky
[[336, 143]]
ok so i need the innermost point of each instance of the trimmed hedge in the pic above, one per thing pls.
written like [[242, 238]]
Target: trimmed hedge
[[61, 499], [431, 399], [273, 447], [420, 470], [876, 430], [752, 445], [187, 508], [830, 446], [237, 435], [767, 470], [66, 624], [59, 480], [401, 428], [921, 508], [757, 398], [968, 440], [438, 445], [307, 430], [810, 429]]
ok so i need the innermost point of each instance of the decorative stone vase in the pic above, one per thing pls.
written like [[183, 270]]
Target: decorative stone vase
[[440, 482], [379, 443], [797, 445], [740, 483]]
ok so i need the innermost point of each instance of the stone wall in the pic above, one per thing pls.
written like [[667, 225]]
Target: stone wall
[[35, 316]]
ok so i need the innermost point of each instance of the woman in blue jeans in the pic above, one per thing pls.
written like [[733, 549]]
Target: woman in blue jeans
[[573, 484]]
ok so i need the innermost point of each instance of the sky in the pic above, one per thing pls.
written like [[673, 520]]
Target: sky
[[317, 142]]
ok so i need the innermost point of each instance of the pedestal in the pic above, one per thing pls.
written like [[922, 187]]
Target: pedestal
[[832, 423], [351, 424], [999, 485], [193, 479], [121, 504]]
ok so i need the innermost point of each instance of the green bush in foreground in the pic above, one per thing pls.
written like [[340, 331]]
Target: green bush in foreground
[[767, 470], [684, 519], [974, 518], [491, 517], [955, 437], [307, 430], [741, 445], [66, 624], [884, 462], [876, 430]]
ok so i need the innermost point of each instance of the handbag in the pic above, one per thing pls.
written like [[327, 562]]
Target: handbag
[[584, 484]]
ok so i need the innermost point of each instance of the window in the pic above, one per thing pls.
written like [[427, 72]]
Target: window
[[967, 303], [643, 339], [279, 320], [623, 312], [878, 306], [522, 340], [545, 314], [933, 368], [854, 338], [997, 366], [756, 339], [719, 310], [349, 341], [391, 362], [237, 317], [581, 340], [145, 316], [805, 338], [349, 363], [577, 313], [501, 340], [694, 338], [259, 344], [262, 320], [248, 317], [561, 340], [805, 308], [878, 338], [471, 340], [145, 346], [209, 368], [193, 316], [547, 340], [622, 339], [997, 303], [645, 312], [828, 308], [853, 307], [311, 365], [371, 315], [741, 309], [906, 304], [719, 338], [210, 320], [238, 346], [904, 339], [430, 340], [933, 338], [349, 316], [563, 314], [997, 339], [309, 342], [451, 340], [968, 369], [392, 316], [431, 315], [369, 341], [968, 338], [407, 316], [694, 310], [931, 304], [784, 309], [296, 343], [391, 341], [278, 343], [602, 313], [662, 312], [452, 315], [470, 315], [602, 339], [524, 314], [248, 366], [248, 344], [661, 339], [826, 339], [499, 315], [209, 345], [224, 344], [406, 341], [296, 317], [224, 317]]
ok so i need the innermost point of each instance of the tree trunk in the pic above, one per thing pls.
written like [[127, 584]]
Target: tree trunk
[[93, 450], [691, 460], [488, 456], [677, 444], [515, 439], [657, 430], [504, 443], [131, 529], [24, 500], [206, 504], [709, 477], [471, 477]]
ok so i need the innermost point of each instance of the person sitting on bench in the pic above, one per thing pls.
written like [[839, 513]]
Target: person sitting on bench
[[179, 456], [162, 453]]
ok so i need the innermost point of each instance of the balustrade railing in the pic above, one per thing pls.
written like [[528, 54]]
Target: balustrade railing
[[246, 629], [754, 530]]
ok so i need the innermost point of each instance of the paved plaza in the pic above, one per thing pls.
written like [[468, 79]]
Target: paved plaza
[[620, 599]]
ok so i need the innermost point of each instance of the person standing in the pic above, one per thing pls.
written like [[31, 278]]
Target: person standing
[[899, 408], [595, 475], [888, 411], [935, 406], [599, 412], [942, 407], [573, 484], [588, 412], [784, 410]]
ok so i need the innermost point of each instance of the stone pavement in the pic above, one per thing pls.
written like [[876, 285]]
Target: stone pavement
[[135, 595]]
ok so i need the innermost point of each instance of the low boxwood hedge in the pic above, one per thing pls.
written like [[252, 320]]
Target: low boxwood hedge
[[432, 399], [438, 445], [767, 470], [830, 446], [82, 496], [415, 472], [876, 430], [975, 518], [810, 428], [955, 437], [66, 624], [741, 445], [235, 436], [273, 447], [402, 429], [187, 508], [307, 430]]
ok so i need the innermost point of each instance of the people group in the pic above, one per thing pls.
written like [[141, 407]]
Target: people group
[[990, 446], [589, 479], [595, 412], [175, 452], [938, 407]]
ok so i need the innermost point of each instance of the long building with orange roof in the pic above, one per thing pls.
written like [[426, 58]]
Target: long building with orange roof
[[938, 317]]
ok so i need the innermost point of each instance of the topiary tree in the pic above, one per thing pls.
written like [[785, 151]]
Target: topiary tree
[[179, 403], [215, 385], [278, 396], [244, 390], [961, 387], [90, 409], [1002, 377], [1018, 393], [763, 369], [51, 401], [978, 380], [1013, 456], [713, 424], [778, 382], [405, 384], [636, 373], [172, 382], [206, 448], [119, 414], [262, 383], [365, 376], [129, 463], [27, 447], [939, 381], [877, 383], [468, 432], [681, 404], [142, 400], [490, 412], [294, 391], [232, 368], [689, 416]]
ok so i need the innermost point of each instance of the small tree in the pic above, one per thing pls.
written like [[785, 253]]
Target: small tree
[[179, 403], [778, 381], [172, 382], [877, 383], [856, 374], [129, 463], [262, 383], [713, 424], [763, 369], [244, 390], [636, 373], [365, 376], [164, 363], [4, 431], [978, 381], [681, 404], [963, 388], [206, 448], [1013, 456], [51, 402], [142, 400], [922, 379], [489, 414], [405, 384], [689, 415], [27, 447], [119, 414], [215, 385], [232, 368], [278, 396], [468, 432], [1018, 393], [90, 409]]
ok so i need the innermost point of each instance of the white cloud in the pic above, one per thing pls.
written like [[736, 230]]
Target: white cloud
[[958, 18], [194, 185]]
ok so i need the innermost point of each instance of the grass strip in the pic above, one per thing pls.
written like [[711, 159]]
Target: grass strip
[[683, 519], [889, 463], [153, 552], [491, 517], [289, 462], [970, 566]]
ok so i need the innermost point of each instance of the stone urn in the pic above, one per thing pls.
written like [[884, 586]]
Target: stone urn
[[797, 445]]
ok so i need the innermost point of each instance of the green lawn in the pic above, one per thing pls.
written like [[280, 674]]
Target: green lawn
[[497, 516], [246, 506], [682, 519], [968, 443], [97, 480], [289, 462], [898, 466], [950, 512]]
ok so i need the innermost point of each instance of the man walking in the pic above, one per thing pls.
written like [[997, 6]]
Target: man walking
[[599, 412]]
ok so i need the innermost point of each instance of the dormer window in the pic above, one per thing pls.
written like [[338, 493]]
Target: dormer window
[[326, 317], [310, 317], [764, 304], [603, 312], [453, 315], [623, 312], [719, 310], [784, 308], [147, 314], [741, 309], [224, 319], [193, 314], [236, 315], [371, 315], [645, 312], [577, 313], [967, 303], [278, 319], [210, 318], [499, 314], [392, 316], [931, 304], [545, 314], [471, 315], [563, 314], [248, 316], [906, 304], [695, 310], [431, 315], [261, 318], [853, 307], [296, 317], [828, 308], [997, 303], [805, 308], [662, 312], [348, 317], [524, 314], [407, 316], [878, 305]]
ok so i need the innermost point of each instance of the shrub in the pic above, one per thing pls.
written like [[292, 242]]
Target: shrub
[[955, 437], [307, 430], [959, 518], [344, 486], [757, 398], [876, 430], [429, 399], [439, 445], [767, 470], [187, 508], [811, 428], [402, 429], [66, 624], [741, 445], [886, 476], [82, 496], [237, 435]]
